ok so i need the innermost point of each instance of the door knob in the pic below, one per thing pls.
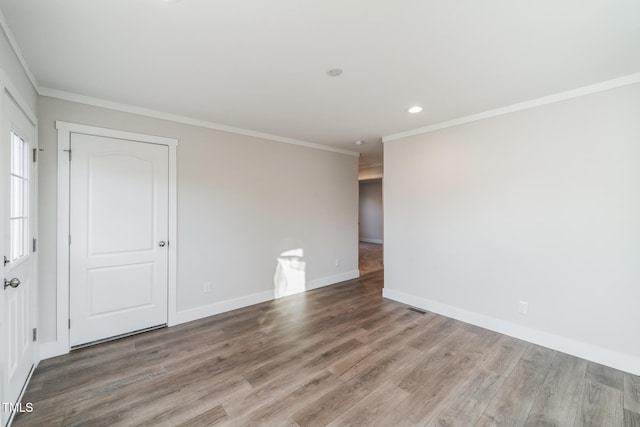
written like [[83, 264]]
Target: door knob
[[161, 243], [14, 283]]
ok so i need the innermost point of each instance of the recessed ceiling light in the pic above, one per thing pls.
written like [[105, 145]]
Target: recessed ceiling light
[[415, 109], [334, 72], [359, 142]]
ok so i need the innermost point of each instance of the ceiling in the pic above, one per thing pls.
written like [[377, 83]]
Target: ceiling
[[262, 65]]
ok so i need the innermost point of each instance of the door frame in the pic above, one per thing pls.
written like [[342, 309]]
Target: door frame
[[14, 94], [65, 129]]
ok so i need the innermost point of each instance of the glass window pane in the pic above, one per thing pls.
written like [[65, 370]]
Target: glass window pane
[[24, 166], [21, 238], [25, 199], [17, 197], [17, 155], [17, 238]]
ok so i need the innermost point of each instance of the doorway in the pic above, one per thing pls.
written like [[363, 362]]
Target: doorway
[[117, 201], [118, 228], [371, 227], [18, 296]]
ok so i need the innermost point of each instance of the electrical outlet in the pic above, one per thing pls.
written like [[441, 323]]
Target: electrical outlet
[[523, 307], [337, 262], [206, 287]]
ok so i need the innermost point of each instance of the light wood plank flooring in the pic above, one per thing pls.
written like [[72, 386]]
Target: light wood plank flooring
[[340, 355]]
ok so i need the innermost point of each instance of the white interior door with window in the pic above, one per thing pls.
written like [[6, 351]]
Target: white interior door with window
[[18, 229], [118, 243]]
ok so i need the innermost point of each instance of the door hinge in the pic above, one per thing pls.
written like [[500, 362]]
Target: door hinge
[[68, 151], [35, 154], [35, 245], [69, 238], [35, 334], [69, 323]]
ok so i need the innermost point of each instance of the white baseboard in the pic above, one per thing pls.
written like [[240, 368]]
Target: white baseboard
[[624, 362], [51, 349], [377, 241], [245, 301], [55, 348], [332, 280], [12, 414], [220, 307]]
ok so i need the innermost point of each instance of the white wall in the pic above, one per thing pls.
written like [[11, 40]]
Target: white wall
[[242, 201], [371, 211], [542, 206]]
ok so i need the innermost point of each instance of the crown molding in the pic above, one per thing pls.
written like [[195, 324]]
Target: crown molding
[[132, 109], [551, 99], [16, 50], [96, 102], [68, 96]]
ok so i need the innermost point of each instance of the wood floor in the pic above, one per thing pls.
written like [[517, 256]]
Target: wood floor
[[336, 356], [369, 258]]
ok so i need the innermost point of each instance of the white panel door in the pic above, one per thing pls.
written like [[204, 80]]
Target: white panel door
[[18, 303], [118, 237]]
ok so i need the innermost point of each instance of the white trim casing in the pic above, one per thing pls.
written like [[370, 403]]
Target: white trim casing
[[65, 129], [173, 234], [624, 362]]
